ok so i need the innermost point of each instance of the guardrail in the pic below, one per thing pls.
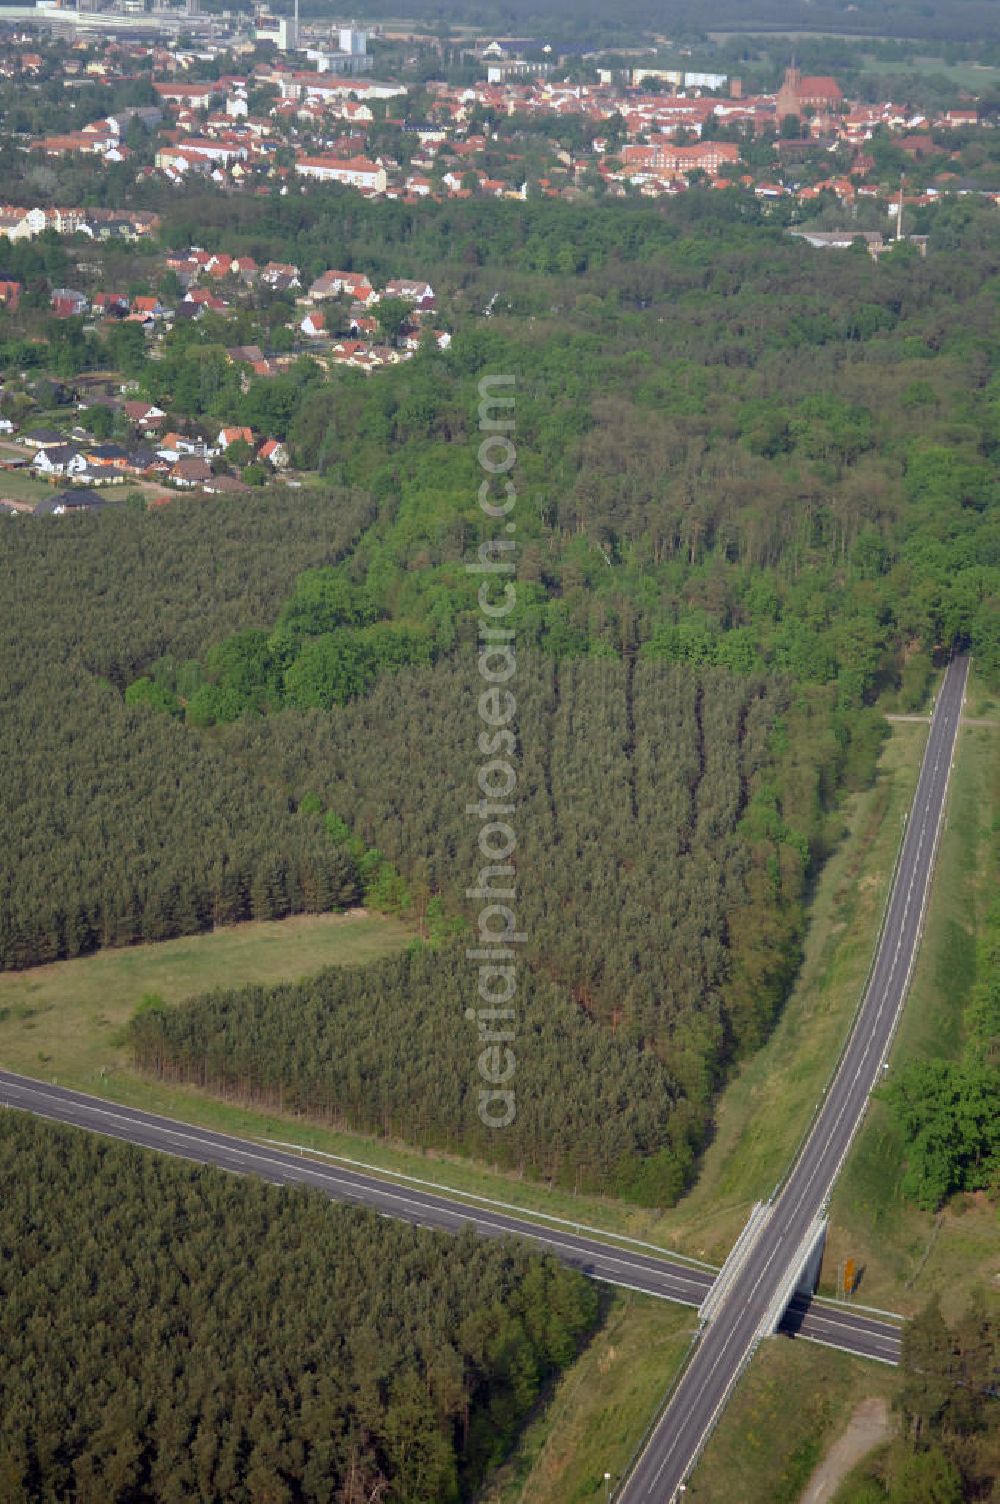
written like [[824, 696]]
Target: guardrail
[[450, 1192], [754, 1226]]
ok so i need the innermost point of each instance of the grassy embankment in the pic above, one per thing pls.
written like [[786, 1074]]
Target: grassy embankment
[[908, 1254], [788, 1409], [593, 1420]]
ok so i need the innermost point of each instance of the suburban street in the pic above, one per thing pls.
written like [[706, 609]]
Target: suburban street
[[615, 1264], [774, 1257]]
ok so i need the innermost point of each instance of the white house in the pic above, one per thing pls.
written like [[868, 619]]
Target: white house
[[59, 459], [314, 324], [405, 287], [354, 172], [274, 451]]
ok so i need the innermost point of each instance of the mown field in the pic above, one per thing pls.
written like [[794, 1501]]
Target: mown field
[[66, 1019]]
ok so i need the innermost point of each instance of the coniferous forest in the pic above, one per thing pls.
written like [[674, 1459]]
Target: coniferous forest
[[757, 497], [119, 826], [757, 490], [173, 1333], [669, 822]]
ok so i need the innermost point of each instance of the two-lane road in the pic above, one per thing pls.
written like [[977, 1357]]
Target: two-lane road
[[729, 1340], [617, 1264]]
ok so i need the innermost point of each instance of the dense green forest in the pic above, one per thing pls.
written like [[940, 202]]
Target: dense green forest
[[172, 1333], [948, 1407], [948, 1111], [731, 446], [757, 489], [386, 1049], [668, 820], [120, 826]]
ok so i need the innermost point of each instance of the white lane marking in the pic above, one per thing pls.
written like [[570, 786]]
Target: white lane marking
[[926, 777], [325, 1178], [447, 1191]]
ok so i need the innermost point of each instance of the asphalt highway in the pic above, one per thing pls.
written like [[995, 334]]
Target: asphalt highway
[[615, 1264], [729, 1340]]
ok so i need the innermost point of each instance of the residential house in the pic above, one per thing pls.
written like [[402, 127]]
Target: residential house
[[190, 471], [59, 459], [353, 172], [66, 303], [142, 460], [280, 274], [314, 324], [69, 501], [275, 453], [115, 304], [148, 307], [224, 485], [144, 415], [353, 285], [245, 354], [105, 456], [197, 96], [202, 298], [411, 291], [176, 445], [40, 438], [418, 186], [229, 436], [10, 291], [100, 475], [351, 352]]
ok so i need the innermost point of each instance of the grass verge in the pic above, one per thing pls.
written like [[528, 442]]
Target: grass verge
[[980, 699], [596, 1416], [791, 1405], [907, 1254]]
